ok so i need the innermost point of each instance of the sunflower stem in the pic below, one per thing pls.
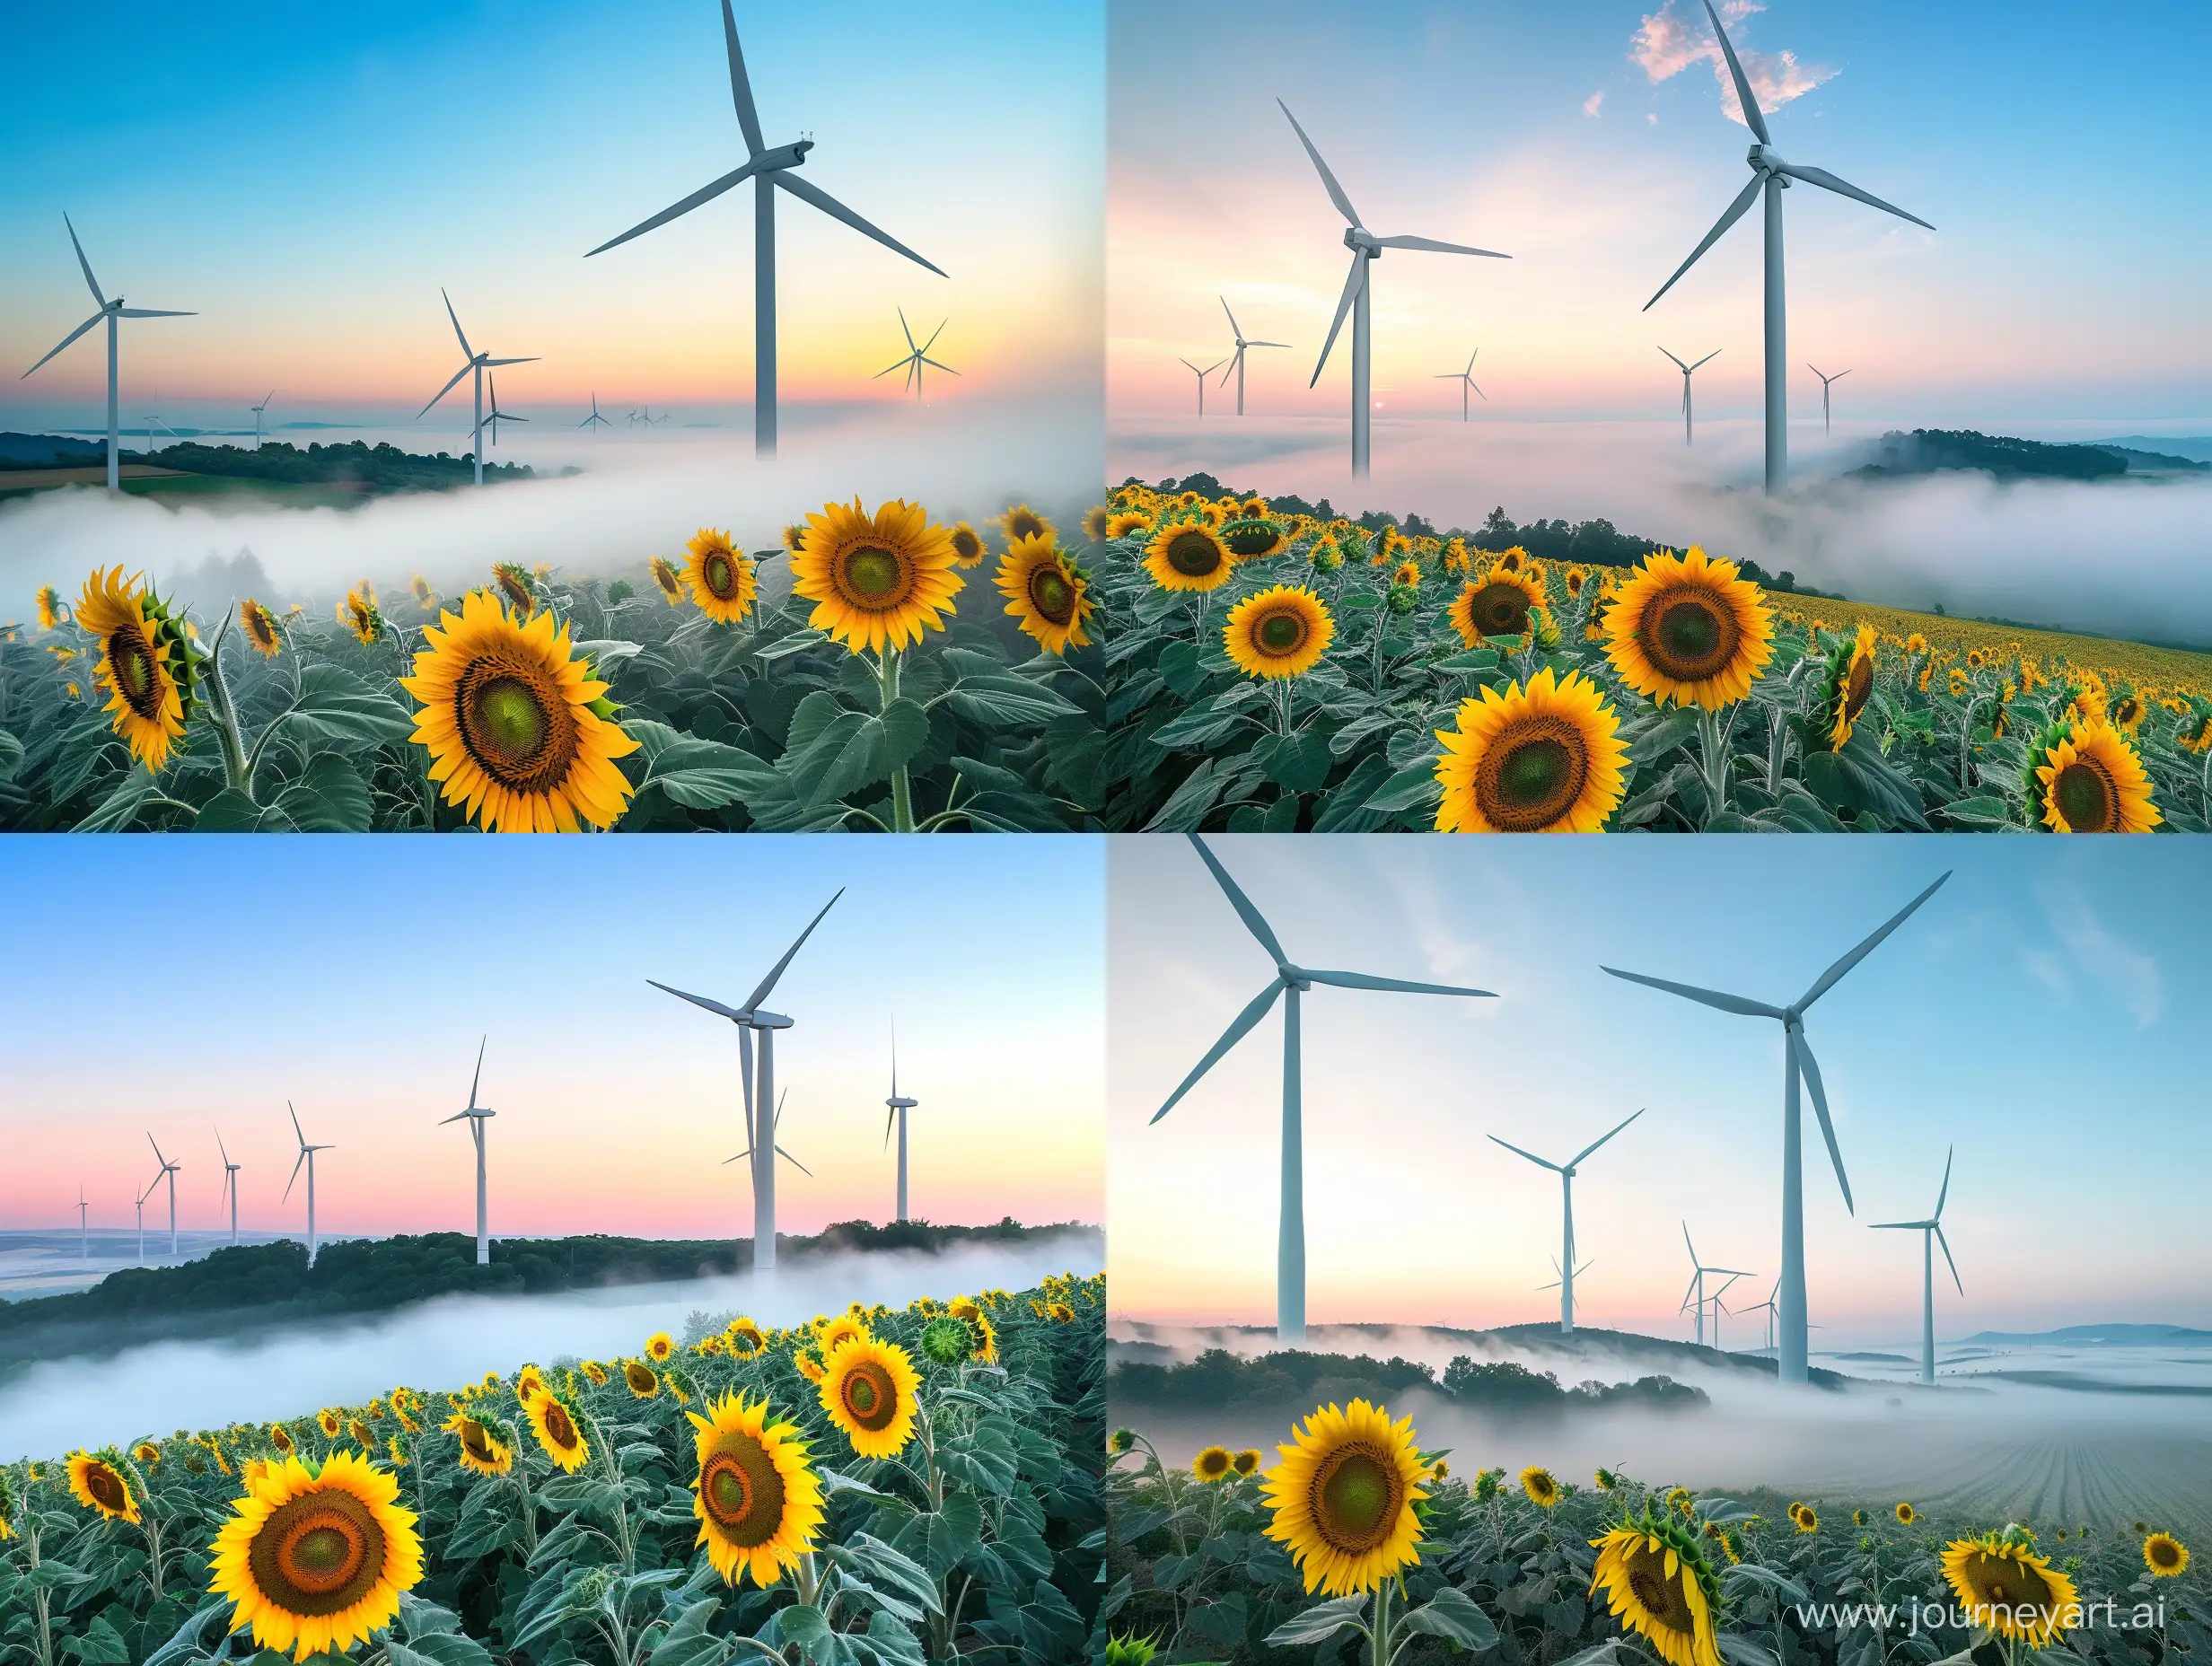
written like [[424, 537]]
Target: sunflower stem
[[237, 771], [1715, 751], [901, 785]]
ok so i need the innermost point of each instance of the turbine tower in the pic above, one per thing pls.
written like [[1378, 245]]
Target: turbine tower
[[259, 412], [1769, 175], [1466, 379], [917, 356], [1290, 981], [1827, 381], [477, 363], [1688, 371], [110, 311], [1566, 1171], [1798, 1063], [1931, 1232], [475, 1116], [898, 1107], [763, 1109], [84, 1229], [169, 1171], [1201, 376], [769, 171], [1366, 247], [1237, 363], [496, 416], [230, 1185], [1697, 1280], [142, 1217], [595, 419], [306, 1157]]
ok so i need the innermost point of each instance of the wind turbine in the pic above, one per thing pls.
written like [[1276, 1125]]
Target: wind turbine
[[1466, 379], [1291, 980], [258, 411], [169, 1171], [760, 1124], [229, 1184], [477, 363], [1688, 371], [1566, 1171], [1365, 247], [153, 422], [915, 358], [1765, 1307], [307, 1157], [1797, 1061], [475, 1116], [496, 416], [1237, 363], [1931, 1232], [1201, 376], [1696, 1280], [142, 1217], [1720, 1307], [84, 1229], [1827, 381], [594, 419], [1769, 175], [1579, 1271], [769, 171], [110, 311], [898, 1107]]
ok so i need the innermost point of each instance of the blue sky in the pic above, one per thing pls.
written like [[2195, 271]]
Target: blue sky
[[2042, 1012]]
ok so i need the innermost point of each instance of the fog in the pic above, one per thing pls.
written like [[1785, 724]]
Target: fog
[[1962, 541], [296, 1369]]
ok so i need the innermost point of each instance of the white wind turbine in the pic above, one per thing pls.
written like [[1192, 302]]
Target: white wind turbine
[[1290, 981], [477, 364], [1720, 1307], [595, 419], [85, 1227], [169, 1171], [229, 1184], [496, 416], [1827, 381], [142, 1217], [1688, 371], [1236, 364], [1797, 1062], [1366, 247], [917, 356], [259, 411], [763, 1109], [898, 1107], [1579, 1271], [110, 311], [1765, 1307], [1931, 1232], [769, 171], [1466, 379], [1769, 175], [1201, 376], [1566, 1171], [475, 1116], [1696, 1280], [306, 1158]]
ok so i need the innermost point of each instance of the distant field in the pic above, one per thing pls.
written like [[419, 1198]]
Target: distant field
[[145, 481], [2135, 662]]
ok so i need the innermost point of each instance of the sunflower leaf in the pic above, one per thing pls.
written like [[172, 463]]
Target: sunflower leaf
[[1452, 1614], [329, 797], [1320, 1622]]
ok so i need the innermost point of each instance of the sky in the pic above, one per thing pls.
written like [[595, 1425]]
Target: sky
[[355, 977], [306, 178], [2039, 1015], [1592, 142]]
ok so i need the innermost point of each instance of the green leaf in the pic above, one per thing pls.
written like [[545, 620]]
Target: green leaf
[[1319, 1623], [100, 1644], [835, 751], [699, 774], [810, 1628], [1181, 669], [335, 707], [1414, 787], [1299, 762], [1007, 701], [690, 1642], [1187, 805], [10, 756], [1452, 1614], [1654, 739], [120, 807], [329, 797], [233, 812]]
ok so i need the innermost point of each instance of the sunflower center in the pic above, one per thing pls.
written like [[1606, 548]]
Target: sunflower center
[[557, 1426], [134, 669], [2087, 798], [1357, 1497], [515, 721], [1280, 633], [317, 1555], [1500, 609], [1193, 555], [966, 545], [1025, 526], [1689, 634], [870, 1398], [871, 574], [743, 1492], [1665, 1602], [1531, 775], [721, 576], [1858, 686], [1051, 594], [2162, 1555], [107, 1487]]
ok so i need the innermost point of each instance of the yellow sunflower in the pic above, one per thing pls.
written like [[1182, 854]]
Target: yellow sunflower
[[967, 549], [596, 1372], [758, 1500], [1122, 525], [2127, 712], [667, 578], [877, 582], [1045, 591], [519, 732], [1906, 1513], [722, 581], [359, 614], [260, 627], [2165, 1555], [1685, 629], [481, 1451], [1657, 1583], [1342, 1498], [2005, 1587], [839, 1327], [1543, 759], [425, 597], [746, 1339], [1497, 605], [329, 1422], [554, 1422], [314, 1561], [2092, 782], [1185, 556], [515, 586], [868, 1389], [97, 1481], [48, 600], [1850, 685], [363, 1435], [1022, 521], [1808, 1520], [642, 1382], [1214, 1464], [1095, 520], [1246, 1462], [1276, 633], [145, 663], [280, 1437], [808, 1364], [1409, 573], [1537, 1482], [660, 1347]]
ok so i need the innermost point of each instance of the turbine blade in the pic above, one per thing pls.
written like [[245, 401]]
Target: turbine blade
[[905, 364], [767, 983], [807, 192], [223, 1148], [933, 336], [480, 1045], [1828, 978], [66, 339], [1752, 119], [447, 389], [297, 1166], [795, 1163], [1828, 181], [296, 1130], [1239, 1026], [151, 313], [1267, 344], [1336, 191], [741, 88], [698, 1000], [1478, 388], [532, 360], [1435, 247], [1234, 330], [1685, 369], [1576, 1159], [1471, 357], [1243, 904], [1954, 1266], [1399, 986], [1687, 1245], [465, 347], [933, 365], [889, 1116], [91, 282], [1947, 1189], [1530, 1155], [1707, 359], [1741, 1004], [1353, 280], [459, 1116], [704, 194], [1899, 1226], [1811, 1068], [1729, 217]]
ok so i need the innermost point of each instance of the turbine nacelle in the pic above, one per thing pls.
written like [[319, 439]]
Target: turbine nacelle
[[1766, 159], [782, 156], [1361, 241]]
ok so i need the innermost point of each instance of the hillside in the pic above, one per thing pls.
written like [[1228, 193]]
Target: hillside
[[1940, 451]]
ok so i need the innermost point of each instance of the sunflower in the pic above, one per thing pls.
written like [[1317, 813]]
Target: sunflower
[[1246, 1462], [515, 585], [2127, 712], [1906, 1513], [746, 1339], [1022, 521], [1537, 1482], [481, 1451], [1343, 1498], [722, 581], [669, 577], [643, 1380], [314, 1561], [837, 1330], [967, 549], [97, 1481], [596, 1372], [529, 1381], [1685, 629], [363, 1435], [1250, 539], [1047, 593], [48, 600], [2006, 1588], [145, 1452], [660, 1347], [280, 1437], [425, 597], [1808, 1520], [1606, 1480], [1497, 605], [260, 627], [145, 663], [359, 614], [2164, 1555], [1657, 1583], [1096, 521], [554, 1422], [1122, 525], [519, 732], [868, 1389], [1060, 1313], [1850, 685], [1185, 556], [1214, 1464], [877, 582], [758, 1500], [808, 1364], [329, 1422], [2089, 780], [1408, 573], [1543, 759], [1276, 633]]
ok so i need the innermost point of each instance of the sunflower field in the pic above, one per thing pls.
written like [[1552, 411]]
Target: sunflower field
[[889, 684], [875, 1489], [1274, 672], [1353, 1543]]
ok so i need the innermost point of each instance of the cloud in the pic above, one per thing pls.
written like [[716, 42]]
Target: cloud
[[1595, 103], [1667, 42], [2129, 975]]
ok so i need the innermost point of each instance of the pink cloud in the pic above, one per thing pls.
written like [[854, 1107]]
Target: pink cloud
[[1593, 103], [1669, 41]]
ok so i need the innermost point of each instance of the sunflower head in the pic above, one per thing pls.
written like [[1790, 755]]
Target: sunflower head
[[947, 1341], [1906, 1513], [2006, 1587], [1253, 538], [746, 1340], [1606, 1480], [756, 1498], [483, 1451], [878, 582], [1215, 1463], [100, 1481], [869, 1389], [1022, 521], [516, 586], [968, 549], [1342, 1498], [1184, 555], [643, 1380], [2165, 1555], [1687, 630], [1659, 1584], [329, 1422], [723, 584], [147, 663], [1546, 759], [1540, 1486], [50, 605], [553, 1420], [1497, 604], [1850, 685], [2084, 777], [1246, 1462], [1278, 632], [659, 1346], [1047, 593], [361, 616], [1096, 521], [260, 627], [1127, 525]]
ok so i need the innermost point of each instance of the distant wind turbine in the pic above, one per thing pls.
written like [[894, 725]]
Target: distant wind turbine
[[1579, 1271], [259, 412], [84, 1228], [1466, 379], [475, 1116], [229, 1184], [1696, 1280], [143, 1196], [1827, 381], [1769, 175], [1201, 376], [1688, 371], [306, 1158], [476, 363], [1237, 363], [1288, 984], [769, 169], [595, 419], [1366, 247], [110, 311], [917, 356], [169, 1171], [153, 422], [898, 1107], [496, 416], [1566, 1171], [1931, 1232]]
